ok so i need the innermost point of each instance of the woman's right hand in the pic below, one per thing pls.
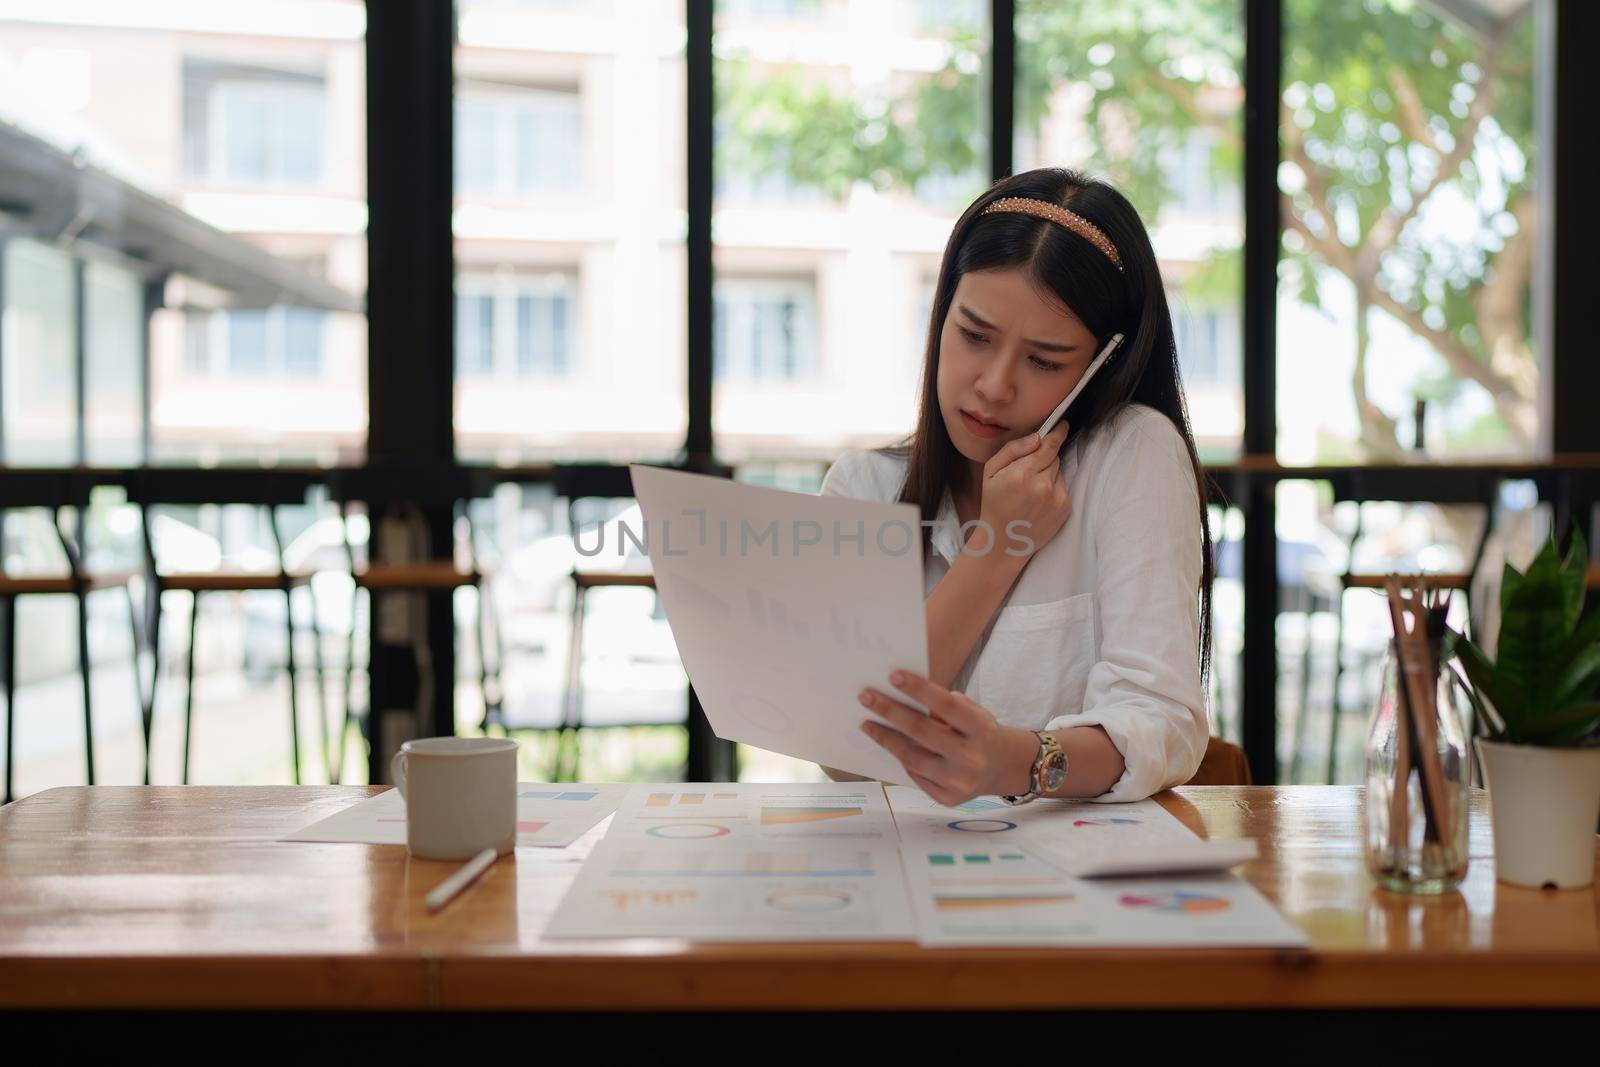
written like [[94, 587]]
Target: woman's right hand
[[1025, 500]]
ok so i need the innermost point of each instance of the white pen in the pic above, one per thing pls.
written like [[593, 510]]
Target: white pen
[[1061, 408], [445, 890]]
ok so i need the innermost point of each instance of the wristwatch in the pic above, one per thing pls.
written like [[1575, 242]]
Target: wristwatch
[[1049, 770]]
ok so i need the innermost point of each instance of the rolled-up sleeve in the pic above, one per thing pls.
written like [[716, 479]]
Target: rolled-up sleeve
[[1144, 690]]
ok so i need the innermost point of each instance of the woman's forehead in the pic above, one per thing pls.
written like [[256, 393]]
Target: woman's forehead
[[1011, 299]]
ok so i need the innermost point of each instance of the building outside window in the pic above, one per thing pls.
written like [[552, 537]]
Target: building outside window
[[764, 330], [1209, 342], [517, 140], [269, 342], [249, 125], [39, 339], [515, 326]]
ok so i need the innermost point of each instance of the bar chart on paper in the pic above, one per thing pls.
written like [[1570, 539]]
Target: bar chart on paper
[[681, 800]]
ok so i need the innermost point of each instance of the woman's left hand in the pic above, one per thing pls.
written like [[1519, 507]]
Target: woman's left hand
[[956, 752]]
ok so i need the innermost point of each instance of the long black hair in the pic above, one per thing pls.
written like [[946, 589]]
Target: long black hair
[[1133, 302]]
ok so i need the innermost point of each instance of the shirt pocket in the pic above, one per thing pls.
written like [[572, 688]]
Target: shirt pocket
[[1035, 663]]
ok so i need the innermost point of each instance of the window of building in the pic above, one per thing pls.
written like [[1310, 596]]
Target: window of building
[[770, 9], [251, 125], [1197, 186], [764, 330], [1208, 340], [518, 326], [268, 343], [40, 340], [514, 140]]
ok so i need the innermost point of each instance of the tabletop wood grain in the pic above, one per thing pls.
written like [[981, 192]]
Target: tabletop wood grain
[[183, 896]]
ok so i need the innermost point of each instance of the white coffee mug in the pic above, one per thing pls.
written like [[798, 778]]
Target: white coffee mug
[[460, 794]]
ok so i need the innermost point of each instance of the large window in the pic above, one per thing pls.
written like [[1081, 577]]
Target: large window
[[1149, 96], [184, 258], [1411, 149], [1412, 231], [569, 226], [846, 167], [251, 123]]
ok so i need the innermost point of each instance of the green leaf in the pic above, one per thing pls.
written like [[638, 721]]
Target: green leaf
[[1565, 727], [1510, 582], [1533, 632], [1575, 576], [1578, 669], [1511, 705], [1489, 721], [1581, 675]]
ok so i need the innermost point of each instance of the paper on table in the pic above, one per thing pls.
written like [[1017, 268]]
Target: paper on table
[[985, 873], [548, 816], [784, 606], [1191, 857], [743, 863]]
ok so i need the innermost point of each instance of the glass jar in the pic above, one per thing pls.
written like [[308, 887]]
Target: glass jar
[[1410, 847]]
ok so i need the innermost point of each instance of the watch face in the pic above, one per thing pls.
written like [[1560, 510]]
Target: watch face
[[1055, 771]]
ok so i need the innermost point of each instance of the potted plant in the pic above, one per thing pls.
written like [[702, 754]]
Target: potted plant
[[1540, 721]]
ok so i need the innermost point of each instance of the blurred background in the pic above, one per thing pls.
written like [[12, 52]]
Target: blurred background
[[245, 384]]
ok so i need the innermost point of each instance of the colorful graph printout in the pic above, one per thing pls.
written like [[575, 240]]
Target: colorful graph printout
[[777, 862], [966, 890]]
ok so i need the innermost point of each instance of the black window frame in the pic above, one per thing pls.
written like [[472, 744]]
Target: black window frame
[[410, 453]]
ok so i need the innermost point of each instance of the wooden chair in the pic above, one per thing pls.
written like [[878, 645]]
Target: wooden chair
[[576, 710], [1223, 764], [572, 717], [229, 580], [78, 583], [418, 577]]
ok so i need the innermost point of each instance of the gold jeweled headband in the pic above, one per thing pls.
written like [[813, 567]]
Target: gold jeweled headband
[[1058, 214]]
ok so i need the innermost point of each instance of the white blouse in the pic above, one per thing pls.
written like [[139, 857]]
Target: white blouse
[[1103, 626]]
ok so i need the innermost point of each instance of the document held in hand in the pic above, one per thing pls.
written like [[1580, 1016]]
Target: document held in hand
[[784, 606]]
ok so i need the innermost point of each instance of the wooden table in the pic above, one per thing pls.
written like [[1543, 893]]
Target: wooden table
[[167, 897]]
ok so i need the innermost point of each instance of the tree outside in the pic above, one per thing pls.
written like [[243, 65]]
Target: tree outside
[[1408, 182]]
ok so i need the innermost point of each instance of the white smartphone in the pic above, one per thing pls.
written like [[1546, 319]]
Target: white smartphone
[[1094, 366]]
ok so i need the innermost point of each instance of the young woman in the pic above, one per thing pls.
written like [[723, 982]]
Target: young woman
[[1069, 626]]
